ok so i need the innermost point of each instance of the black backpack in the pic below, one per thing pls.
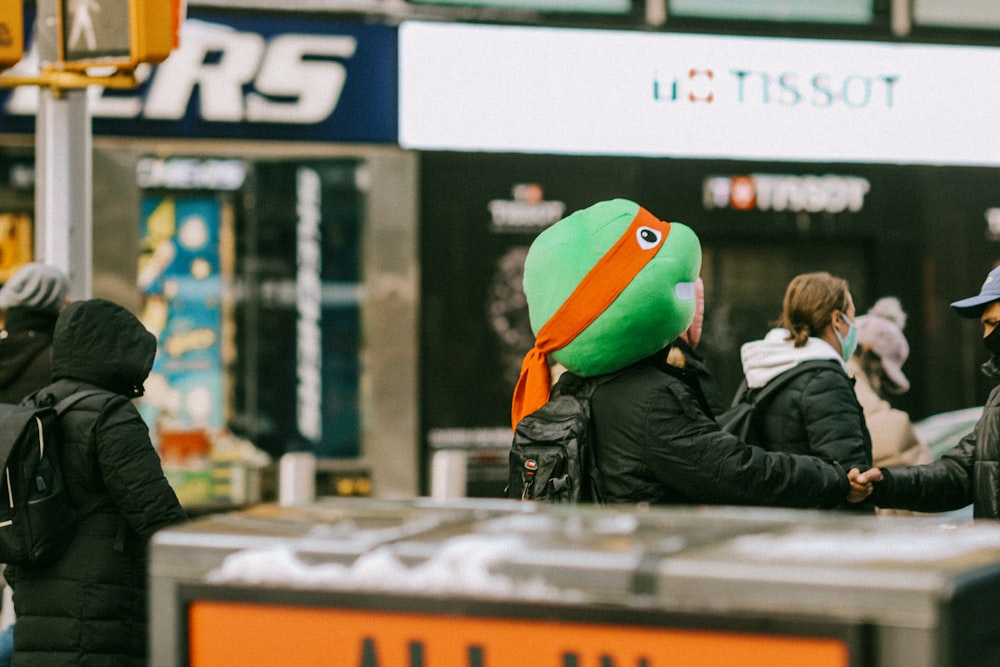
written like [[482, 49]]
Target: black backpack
[[740, 418], [552, 455], [37, 520]]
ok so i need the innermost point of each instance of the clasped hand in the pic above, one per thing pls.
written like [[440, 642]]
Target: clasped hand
[[862, 483]]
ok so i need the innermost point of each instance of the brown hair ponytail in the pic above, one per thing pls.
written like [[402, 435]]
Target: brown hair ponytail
[[809, 302]]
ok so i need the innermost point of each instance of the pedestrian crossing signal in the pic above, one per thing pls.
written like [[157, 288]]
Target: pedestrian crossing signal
[[120, 33], [11, 32]]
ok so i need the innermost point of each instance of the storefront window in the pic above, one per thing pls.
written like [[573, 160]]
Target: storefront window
[[977, 14], [298, 317], [580, 6], [811, 11]]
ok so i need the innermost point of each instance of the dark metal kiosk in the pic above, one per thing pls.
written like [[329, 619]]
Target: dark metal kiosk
[[482, 583]]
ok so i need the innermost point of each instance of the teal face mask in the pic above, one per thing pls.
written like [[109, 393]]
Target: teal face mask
[[848, 342]]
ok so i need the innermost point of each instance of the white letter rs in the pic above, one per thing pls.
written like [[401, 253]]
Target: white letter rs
[[315, 84]]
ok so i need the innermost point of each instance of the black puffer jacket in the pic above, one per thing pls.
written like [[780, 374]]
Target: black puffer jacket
[[24, 353], [690, 360], [967, 473], [818, 413], [89, 606], [655, 443]]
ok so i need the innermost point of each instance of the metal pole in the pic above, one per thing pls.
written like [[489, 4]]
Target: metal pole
[[900, 18], [63, 186]]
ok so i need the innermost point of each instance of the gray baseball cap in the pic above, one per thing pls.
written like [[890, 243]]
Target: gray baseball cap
[[975, 305]]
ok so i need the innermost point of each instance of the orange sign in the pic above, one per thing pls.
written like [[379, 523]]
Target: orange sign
[[227, 633], [16, 243]]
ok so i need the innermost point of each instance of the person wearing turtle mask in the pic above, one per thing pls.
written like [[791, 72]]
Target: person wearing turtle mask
[[969, 472], [609, 289]]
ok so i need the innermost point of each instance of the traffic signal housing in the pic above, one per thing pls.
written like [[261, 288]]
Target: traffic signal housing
[[11, 32], [119, 33]]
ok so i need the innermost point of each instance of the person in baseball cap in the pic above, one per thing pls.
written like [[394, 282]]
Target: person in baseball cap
[[969, 472], [974, 306], [985, 307]]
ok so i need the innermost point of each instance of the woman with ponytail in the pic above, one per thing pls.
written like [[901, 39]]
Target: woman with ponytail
[[816, 412]]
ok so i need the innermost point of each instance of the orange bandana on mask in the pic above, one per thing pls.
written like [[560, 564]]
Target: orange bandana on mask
[[598, 290]]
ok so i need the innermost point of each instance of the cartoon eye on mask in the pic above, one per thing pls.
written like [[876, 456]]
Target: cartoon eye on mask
[[648, 238]]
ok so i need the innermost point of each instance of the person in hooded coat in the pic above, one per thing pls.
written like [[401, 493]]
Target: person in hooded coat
[[88, 607]]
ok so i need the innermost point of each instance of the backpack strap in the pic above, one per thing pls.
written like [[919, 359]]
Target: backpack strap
[[757, 396], [586, 392], [68, 402], [62, 406], [741, 392]]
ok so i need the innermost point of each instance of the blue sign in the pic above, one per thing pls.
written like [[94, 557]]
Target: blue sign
[[181, 282], [282, 77]]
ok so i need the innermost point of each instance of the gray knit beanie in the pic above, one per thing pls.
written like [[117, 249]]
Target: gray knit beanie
[[36, 286]]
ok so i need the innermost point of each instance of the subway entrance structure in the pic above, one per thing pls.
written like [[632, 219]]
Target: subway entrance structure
[[495, 583]]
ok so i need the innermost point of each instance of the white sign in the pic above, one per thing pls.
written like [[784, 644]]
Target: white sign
[[594, 92], [309, 304], [528, 211], [190, 173], [829, 193]]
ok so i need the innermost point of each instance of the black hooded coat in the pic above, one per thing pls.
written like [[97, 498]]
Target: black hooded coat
[[88, 607]]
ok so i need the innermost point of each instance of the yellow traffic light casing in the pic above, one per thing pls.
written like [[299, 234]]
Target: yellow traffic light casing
[[11, 32], [119, 33], [151, 27]]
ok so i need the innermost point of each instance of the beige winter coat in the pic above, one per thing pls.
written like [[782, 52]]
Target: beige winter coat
[[894, 442]]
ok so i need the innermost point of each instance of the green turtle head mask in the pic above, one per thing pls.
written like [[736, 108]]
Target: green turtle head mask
[[606, 286]]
